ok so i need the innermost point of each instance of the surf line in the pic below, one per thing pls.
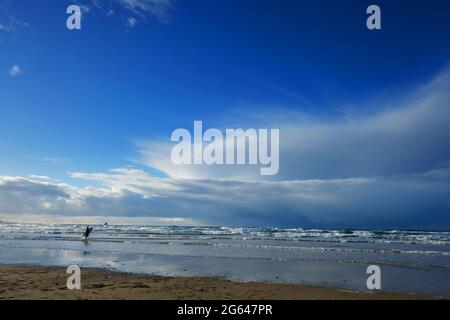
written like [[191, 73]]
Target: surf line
[[263, 147]]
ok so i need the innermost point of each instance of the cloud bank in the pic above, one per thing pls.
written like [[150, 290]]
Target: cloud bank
[[386, 169], [409, 135]]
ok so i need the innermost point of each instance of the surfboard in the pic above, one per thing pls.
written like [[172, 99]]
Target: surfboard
[[89, 231]]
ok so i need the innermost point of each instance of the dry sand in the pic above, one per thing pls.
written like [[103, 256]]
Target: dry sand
[[35, 282]]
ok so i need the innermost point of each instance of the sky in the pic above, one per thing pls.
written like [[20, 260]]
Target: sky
[[86, 115]]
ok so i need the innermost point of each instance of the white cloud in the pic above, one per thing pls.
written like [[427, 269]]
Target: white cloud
[[131, 22], [12, 24], [418, 200], [46, 159], [15, 71], [140, 9], [38, 177], [409, 134], [144, 8]]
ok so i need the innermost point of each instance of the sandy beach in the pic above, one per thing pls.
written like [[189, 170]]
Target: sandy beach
[[36, 282]]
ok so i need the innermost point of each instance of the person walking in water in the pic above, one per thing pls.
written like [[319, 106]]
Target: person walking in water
[[88, 232]]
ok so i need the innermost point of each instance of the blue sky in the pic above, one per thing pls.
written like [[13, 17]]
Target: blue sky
[[363, 114]]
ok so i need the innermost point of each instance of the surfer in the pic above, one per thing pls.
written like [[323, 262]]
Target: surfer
[[88, 231]]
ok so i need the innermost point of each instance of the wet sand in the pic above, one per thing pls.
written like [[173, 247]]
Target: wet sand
[[36, 282]]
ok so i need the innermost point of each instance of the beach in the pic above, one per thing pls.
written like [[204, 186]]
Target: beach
[[256, 263], [49, 283]]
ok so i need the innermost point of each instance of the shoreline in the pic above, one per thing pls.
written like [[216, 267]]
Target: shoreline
[[28, 282]]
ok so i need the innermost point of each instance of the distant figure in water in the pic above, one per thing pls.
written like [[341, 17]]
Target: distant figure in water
[[88, 232]]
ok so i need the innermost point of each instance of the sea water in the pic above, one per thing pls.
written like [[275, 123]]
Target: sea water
[[410, 261]]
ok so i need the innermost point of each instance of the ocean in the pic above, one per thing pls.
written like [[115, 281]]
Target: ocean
[[410, 261]]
